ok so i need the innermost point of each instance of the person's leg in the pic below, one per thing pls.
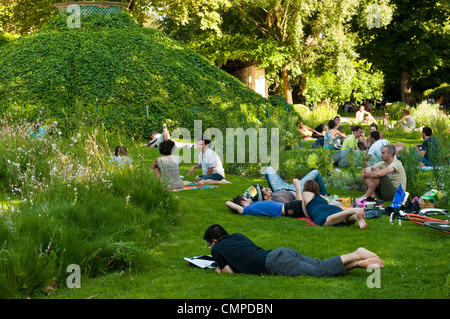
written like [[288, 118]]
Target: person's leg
[[372, 184], [314, 175], [289, 262], [349, 216], [386, 189], [211, 179], [165, 135], [275, 182], [361, 258]]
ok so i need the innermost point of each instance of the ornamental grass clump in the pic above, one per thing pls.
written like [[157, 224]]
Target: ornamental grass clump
[[74, 206]]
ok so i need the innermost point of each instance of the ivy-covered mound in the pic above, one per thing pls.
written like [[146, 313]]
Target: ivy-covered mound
[[134, 78]]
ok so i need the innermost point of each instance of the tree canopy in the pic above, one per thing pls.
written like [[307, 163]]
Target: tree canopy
[[404, 43]]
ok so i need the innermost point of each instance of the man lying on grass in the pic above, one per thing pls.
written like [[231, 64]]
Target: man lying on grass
[[316, 207], [237, 254]]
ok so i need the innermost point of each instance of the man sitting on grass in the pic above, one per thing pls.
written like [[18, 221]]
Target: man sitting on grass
[[211, 165], [236, 253], [384, 177], [428, 150]]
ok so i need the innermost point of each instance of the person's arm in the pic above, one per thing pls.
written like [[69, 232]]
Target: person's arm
[[379, 172], [227, 269], [235, 207], [210, 171], [298, 193], [154, 164], [156, 168], [339, 133], [191, 170], [307, 196], [402, 120], [365, 172]]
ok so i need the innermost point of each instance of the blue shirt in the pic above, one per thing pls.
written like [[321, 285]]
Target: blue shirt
[[264, 208]]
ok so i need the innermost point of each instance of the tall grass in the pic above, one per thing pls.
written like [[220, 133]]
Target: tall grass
[[75, 207]]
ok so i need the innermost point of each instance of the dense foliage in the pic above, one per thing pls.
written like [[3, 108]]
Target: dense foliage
[[134, 78]]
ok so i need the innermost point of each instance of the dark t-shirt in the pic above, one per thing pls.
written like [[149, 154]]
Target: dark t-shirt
[[430, 146], [240, 253]]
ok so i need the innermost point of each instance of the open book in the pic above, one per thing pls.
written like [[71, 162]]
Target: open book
[[203, 261]]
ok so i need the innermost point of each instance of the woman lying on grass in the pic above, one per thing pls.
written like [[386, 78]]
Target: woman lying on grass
[[317, 208]]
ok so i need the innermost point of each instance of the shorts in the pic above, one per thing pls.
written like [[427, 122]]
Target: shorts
[[386, 190], [294, 209]]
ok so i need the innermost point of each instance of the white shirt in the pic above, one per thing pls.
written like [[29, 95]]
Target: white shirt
[[375, 148], [210, 159]]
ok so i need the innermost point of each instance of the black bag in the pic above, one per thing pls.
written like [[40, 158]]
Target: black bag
[[409, 208], [372, 213]]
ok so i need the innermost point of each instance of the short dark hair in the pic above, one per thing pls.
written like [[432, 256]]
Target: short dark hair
[[205, 140], [331, 124], [120, 150], [356, 128], [374, 125], [375, 135], [238, 200], [214, 232], [390, 149], [427, 130], [166, 147]]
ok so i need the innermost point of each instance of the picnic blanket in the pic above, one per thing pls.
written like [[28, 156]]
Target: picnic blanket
[[429, 168], [189, 186], [309, 220]]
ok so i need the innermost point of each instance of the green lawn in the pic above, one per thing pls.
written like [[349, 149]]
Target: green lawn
[[416, 258]]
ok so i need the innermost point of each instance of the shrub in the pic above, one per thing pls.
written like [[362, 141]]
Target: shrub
[[395, 110], [430, 115], [321, 114]]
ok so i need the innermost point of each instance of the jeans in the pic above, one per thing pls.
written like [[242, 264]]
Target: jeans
[[215, 177], [276, 183]]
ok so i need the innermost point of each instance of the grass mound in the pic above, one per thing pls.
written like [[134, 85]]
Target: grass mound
[[134, 78]]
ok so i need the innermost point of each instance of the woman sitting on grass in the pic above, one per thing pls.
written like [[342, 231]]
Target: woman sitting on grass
[[333, 137], [407, 122], [167, 168], [317, 208]]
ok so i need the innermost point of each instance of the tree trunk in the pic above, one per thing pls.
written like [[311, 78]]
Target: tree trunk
[[406, 87], [298, 90], [286, 86]]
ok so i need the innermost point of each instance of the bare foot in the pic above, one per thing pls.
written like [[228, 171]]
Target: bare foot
[[364, 253], [361, 221], [373, 262]]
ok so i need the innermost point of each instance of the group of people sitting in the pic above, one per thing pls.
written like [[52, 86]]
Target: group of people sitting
[[167, 167], [367, 148]]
